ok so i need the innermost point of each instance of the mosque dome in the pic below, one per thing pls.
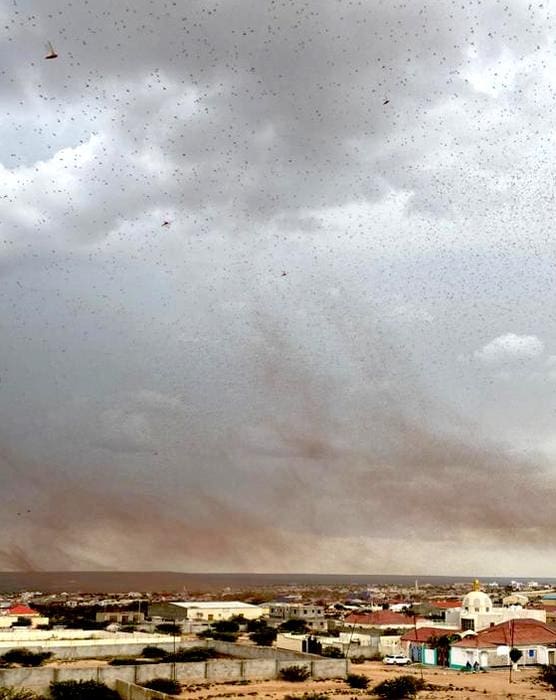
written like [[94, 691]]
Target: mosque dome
[[476, 601]]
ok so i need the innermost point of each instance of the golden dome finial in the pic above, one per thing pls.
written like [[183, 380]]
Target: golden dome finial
[[476, 585]]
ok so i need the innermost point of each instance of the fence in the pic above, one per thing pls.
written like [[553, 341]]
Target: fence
[[215, 670]]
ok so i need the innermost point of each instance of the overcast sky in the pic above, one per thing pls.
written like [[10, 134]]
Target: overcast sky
[[277, 286]]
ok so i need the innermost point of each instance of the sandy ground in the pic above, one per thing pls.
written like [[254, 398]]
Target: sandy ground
[[453, 685]]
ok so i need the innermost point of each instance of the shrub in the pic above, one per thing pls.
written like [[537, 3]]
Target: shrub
[[164, 685], [264, 636], [295, 626], [25, 657], [357, 680], [151, 652], [192, 654], [398, 688], [295, 674], [18, 694], [357, 659], [257, 625], [548, 675], [226, 626], [82, 690], [127, 661], [225, 636], [308, 696], [332, 653]]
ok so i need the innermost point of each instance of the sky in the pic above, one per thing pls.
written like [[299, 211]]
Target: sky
[[277, 286]]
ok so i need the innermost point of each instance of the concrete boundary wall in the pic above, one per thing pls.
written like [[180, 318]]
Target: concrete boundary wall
[[91, 648], [130, 691], [213, 670]]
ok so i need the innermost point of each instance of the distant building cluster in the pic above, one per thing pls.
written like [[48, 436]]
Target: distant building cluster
[[439, 626]]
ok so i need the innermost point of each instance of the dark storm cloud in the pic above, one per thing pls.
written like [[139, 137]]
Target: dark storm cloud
[[289, 373]]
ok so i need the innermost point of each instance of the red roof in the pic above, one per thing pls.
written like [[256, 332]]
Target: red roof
[[21, 610], [382, 617], [445, 604], [513, 632], [423, 634]]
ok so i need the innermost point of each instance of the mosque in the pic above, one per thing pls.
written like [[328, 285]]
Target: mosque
[[477, 611]]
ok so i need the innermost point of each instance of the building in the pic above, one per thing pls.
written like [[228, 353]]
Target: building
[[477, 612], [369, 646], [381, 619], [205, 611], [21, 615], [312, 614], [490, 647], [122, 617], [424, 644]]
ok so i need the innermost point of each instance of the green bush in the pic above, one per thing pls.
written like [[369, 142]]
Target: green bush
[[357, 680], [295, 626], [151, 652], [164, 685], [332, 653], [257, 625], [25, 657], [225, 636], [308, 696], [515, 654], [357, 659], [82, 690], [226, 627], [18, 694], [192, 654], [294, 674], [399, 688], [264, 636], [547, 675], [127, 661]]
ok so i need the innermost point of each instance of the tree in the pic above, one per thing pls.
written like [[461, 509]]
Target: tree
[[225, 630], [226, 627], [295, 626], [515, 655], [256, 625], [264, 637], [442, 645]]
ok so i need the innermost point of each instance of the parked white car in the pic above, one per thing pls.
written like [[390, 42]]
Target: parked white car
[[396, 660]]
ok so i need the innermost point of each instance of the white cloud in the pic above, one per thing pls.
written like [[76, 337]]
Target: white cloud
[[510, 347]]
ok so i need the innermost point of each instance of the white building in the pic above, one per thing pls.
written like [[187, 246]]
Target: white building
[[212, 611], [477, 612]]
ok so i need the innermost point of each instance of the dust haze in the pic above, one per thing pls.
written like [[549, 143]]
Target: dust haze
[[276, 290]]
